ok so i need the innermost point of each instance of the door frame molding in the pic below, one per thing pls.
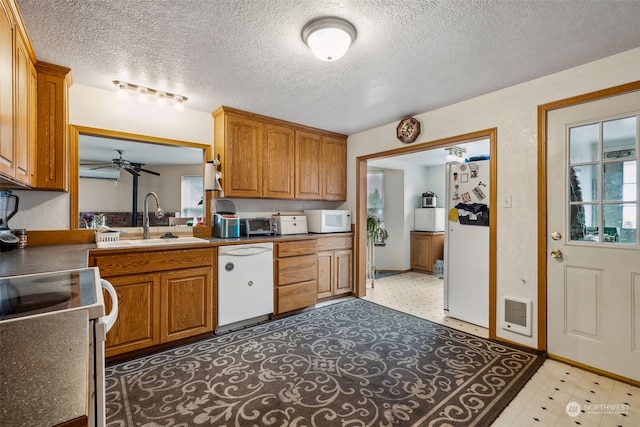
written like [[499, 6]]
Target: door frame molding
[[361, 208], [543, 111]]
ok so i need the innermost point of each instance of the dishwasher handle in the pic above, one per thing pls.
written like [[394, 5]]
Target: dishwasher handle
[[247, 251]]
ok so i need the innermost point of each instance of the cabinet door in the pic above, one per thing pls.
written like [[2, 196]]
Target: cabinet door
[[307, 176], [33, 101], [421, 252], [278, 162], [334, 169], [22, 126], [325, 274], [187, 303], [138, 323], [7, 155], [53, 127], [343, 260], [242, 162]]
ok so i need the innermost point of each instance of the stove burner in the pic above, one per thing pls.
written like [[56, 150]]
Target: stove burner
[[34, 303]]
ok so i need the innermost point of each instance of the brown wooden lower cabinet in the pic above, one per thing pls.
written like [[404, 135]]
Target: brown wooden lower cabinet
[[296, 275], [163, 296], [138, 321], [426, 249], [335, 265]]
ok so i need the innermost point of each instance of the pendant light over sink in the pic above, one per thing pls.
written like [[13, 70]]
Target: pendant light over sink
[[329, 38]]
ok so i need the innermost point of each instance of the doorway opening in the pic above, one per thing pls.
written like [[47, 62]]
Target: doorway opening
[[362, 165]]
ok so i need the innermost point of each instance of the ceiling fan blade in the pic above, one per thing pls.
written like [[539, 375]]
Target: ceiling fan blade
[[148, 171], [132, 171]]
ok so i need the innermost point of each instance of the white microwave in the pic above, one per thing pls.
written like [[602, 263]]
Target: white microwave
[[328, 221]]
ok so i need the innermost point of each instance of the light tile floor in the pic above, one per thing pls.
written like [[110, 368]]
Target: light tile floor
[[556, 390]]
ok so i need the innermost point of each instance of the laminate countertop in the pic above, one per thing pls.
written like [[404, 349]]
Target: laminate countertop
[[44, 380], [44, 259]]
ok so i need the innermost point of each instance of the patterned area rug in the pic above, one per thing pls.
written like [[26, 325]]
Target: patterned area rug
[[353, 363]]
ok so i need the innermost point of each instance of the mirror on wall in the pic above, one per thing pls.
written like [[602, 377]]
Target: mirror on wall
[[115, 171]]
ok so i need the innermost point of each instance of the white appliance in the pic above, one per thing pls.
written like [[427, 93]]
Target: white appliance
[[245, 285], [466, 250], [50, 295], [291, 224], [428, 219], [328, 221]]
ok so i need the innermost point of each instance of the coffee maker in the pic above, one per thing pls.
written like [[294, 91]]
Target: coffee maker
[[7, 240]]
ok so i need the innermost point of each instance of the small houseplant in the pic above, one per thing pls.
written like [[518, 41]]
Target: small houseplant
[[375, 232]]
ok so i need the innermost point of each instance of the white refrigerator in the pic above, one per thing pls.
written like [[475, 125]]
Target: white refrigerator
[[466, 259]]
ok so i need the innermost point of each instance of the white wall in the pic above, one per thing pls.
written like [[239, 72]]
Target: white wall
[[435, 182], [393, 256], [96, 108], [514, 112], [402, 195], [102, 109]]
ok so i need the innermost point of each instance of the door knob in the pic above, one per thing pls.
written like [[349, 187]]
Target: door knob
[[556, 253], [556, 236]]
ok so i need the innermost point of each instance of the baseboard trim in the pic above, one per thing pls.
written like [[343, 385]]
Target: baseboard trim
[[588, 368]]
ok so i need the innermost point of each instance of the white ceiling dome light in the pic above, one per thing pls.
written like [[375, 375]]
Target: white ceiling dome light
[[329, 38]]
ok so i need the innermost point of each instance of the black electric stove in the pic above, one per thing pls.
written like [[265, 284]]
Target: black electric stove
[[40, 293]]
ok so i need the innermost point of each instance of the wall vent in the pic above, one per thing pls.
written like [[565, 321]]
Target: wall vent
[[517, 315], [88, 171]]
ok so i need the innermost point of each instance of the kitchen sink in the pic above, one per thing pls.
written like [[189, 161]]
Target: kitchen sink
[[137, 243]]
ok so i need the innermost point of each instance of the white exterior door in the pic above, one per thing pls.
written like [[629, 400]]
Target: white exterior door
[[593, 251]]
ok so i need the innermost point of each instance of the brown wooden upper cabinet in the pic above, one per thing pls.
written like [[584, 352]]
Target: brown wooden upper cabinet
[[34, 119], [262, 157], [278, 169], [17, 102], [53, 126]]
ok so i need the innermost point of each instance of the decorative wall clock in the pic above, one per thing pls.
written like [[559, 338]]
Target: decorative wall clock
[[408, 130]]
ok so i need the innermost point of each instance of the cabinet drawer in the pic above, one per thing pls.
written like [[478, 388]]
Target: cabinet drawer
[[296, 269], [293, 297], [145, 262], [298, 247], [335, 243]]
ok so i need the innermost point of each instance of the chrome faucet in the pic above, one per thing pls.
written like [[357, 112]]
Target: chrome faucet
[[159, 213]]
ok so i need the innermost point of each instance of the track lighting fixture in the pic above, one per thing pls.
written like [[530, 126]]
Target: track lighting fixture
[[144, 93], [455, 153]]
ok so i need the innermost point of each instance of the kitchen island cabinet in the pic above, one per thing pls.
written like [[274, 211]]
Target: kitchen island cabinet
[[164, 295]]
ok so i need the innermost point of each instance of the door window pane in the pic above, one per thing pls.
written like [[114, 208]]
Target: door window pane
[[583, 183], [603, 189], [619, 223], [583, 223], [619, 181], [584, 143], [619, 138]]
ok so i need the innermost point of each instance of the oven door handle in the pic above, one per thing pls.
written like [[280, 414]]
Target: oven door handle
[[110, 318]]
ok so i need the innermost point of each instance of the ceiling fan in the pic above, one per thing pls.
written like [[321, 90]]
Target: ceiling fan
[[133, 168]]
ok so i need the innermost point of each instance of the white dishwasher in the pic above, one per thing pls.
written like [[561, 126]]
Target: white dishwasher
[[245, 285]]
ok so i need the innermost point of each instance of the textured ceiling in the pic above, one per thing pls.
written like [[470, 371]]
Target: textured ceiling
[[410, 56]]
